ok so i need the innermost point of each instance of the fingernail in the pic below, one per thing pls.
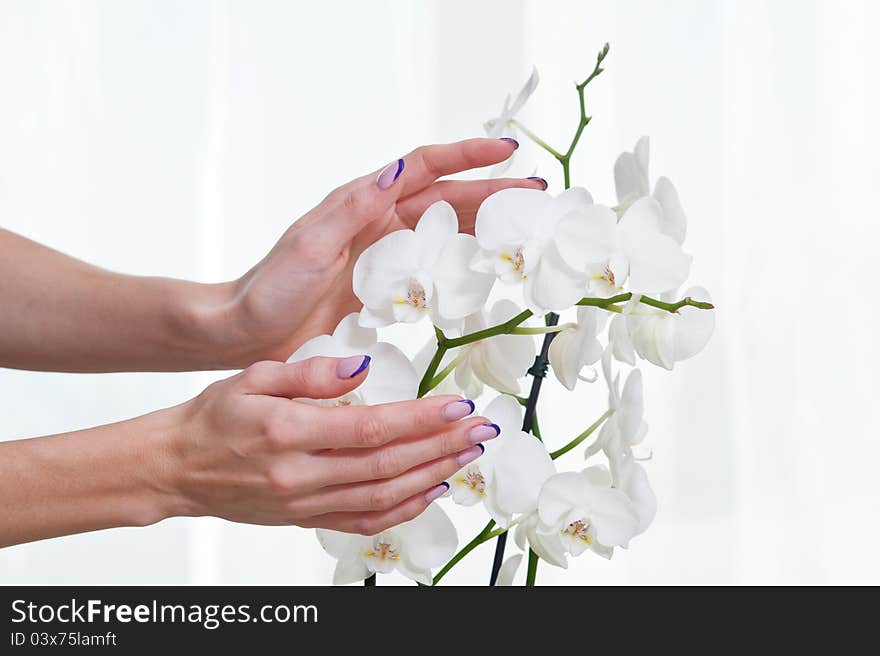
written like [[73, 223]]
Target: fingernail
[[469, 455], [483, 433], [389, 174], [541, 180], [436, 492], [351, 367], [458, 409], [511, 140]]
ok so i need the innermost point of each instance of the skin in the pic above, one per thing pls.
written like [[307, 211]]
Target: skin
[[241, 450]]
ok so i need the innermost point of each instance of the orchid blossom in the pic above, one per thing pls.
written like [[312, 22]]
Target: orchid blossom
[[411, 274], [391, 378], [412, 549], [660, 337], [509, 475], [519, 240], [502, 125]]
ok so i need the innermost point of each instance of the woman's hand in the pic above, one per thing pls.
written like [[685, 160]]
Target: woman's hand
[[244, 451], [302, 288]]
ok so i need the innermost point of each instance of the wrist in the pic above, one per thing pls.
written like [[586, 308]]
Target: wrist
[[161, 435], [208, 323]]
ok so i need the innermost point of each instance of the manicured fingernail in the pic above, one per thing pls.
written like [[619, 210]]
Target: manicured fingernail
[[351, 367], [511, 140], [483, 433], [436, 492], [458, 409], [389, 174], [469, 455], [541, 180]]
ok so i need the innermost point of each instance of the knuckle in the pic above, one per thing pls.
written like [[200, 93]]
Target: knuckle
[[356, 201], [275, 429], [370, 429], [366, 526], [280, 480], [450, 442], [386, 463], [258, 372], [423, 155], [304, 372], [382, 498]]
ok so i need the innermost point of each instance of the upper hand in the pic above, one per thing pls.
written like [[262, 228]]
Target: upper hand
[[302, 288]]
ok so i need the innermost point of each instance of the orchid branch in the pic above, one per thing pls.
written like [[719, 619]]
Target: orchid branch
[[580, 438], [531, 135], [486, 534], [533, 568]]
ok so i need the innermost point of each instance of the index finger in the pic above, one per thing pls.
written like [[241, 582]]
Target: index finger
[[372, 426], [371, 196]]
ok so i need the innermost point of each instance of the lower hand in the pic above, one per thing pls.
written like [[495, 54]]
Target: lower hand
[[243, 451]]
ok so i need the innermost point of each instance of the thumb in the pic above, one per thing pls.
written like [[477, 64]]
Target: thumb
[[314, 378]]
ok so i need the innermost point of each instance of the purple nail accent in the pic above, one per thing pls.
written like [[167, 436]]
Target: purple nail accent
[[351, 367], [469, 455], [483, 433], [389, 174], [511, 140], [541, 180], [458, 409], [436, 492]]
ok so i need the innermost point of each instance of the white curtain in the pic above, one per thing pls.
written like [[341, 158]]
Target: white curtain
[[180, 139]]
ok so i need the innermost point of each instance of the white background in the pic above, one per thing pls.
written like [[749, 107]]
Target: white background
[[181, 138]]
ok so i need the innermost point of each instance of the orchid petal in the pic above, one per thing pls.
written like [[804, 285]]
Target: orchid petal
[[391, 377], [674, 220], [586, 236], [430, 539]]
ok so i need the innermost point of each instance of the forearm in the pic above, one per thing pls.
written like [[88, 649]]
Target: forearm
[[61, 314], [105, 477]]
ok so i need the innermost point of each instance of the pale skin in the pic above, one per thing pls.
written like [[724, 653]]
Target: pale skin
[[241, 450]]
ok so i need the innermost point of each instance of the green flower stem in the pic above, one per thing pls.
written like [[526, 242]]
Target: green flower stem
[[606, 303], [425, 383], [542, 331], [486, 534], [448, 369], [533, 568], [580, 438], [531, 135], [501, 329], [536, 429], [511, 327]]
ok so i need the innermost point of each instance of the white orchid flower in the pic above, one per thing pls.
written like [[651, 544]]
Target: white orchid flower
[[500, 126], [578, 511], [392, 377], [520, 242], [411, 274], [626, 427], [573, 349], [632, 183], [660, 337], [633, 251], [499, 362], [509, 475], [632, 479], [412, 549]]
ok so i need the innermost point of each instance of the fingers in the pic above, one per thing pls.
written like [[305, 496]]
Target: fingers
[[372, 197], [314, 378], [370, 523], [384, 495], [464, 196], [367, 427], [395, 458]]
